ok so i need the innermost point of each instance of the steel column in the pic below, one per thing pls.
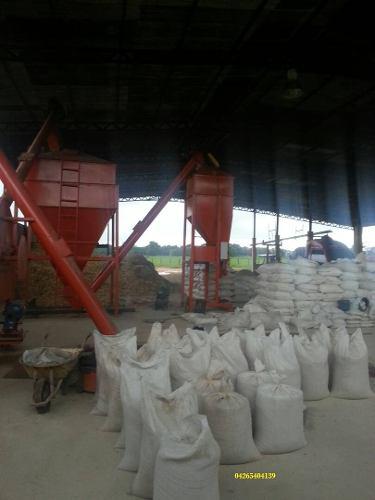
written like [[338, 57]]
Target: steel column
[[254, 256]]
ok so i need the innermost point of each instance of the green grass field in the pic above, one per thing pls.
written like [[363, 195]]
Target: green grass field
[[175, 262]]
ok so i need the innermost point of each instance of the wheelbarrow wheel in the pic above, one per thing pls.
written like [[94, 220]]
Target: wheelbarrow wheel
[[41, 392]]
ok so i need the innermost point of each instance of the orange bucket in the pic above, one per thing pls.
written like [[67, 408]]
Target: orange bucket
[[89, 382]]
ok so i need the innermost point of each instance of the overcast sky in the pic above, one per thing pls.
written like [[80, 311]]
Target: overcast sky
[[167, 227]]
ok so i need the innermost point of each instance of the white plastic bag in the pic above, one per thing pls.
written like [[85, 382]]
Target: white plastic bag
[[279, 419], [313, 360], [229, 417], [350, 367], [154, 371], [160, 413], [187, 464]]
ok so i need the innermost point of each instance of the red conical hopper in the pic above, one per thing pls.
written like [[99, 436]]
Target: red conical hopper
[[213, 202], [78, 194]]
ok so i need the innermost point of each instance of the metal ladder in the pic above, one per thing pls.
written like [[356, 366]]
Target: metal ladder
[[65, 211]]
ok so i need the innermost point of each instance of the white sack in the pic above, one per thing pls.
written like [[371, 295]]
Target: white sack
[[160, 413], [154, 371], [227, 350], [190, 358], [313, 360], [283, 360], [248, 383], [279, 419], [216, 379], [275, 268], [103, 343], [328, 288], [187, 464], [229, 418], [350, 367]]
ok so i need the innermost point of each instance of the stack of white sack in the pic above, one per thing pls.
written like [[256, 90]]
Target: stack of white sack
[[331, 286], [307, 282], [261, 315], [198, 280], [350, 278], [227, 287], [275, 288], [238, 287]]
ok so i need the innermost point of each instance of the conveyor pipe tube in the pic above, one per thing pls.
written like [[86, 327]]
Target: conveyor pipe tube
[[140, 228]]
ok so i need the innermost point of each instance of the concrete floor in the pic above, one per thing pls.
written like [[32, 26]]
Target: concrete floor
[[64, 454]]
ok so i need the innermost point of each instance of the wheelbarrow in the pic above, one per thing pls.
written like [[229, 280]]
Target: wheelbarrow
[[48, 367]]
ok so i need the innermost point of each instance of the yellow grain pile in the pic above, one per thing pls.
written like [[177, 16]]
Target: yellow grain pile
[[139, 283]]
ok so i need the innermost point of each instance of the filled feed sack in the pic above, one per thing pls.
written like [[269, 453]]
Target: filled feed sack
[[350, 367], [227, 350], [187, 463], [102, 344], [155, 371], [312, 356], [248, 383], [283, 360], [279, 419], [216, 379], [161, 413], [229, 418], [190, 357]]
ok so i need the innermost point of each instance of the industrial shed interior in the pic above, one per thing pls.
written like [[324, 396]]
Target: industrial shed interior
[[119, 381]]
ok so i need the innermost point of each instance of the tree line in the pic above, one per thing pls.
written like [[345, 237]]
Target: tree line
[[153, 248]]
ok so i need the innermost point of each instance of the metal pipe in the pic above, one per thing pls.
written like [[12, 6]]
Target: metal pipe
[[277, 238], [55, 246], [25, 163], [254, 256], [183, 277], [294, 237], [141, 226]]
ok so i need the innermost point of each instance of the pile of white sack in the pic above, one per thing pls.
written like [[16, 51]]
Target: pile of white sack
[[185, 405], [305, 293], [238, 287]]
